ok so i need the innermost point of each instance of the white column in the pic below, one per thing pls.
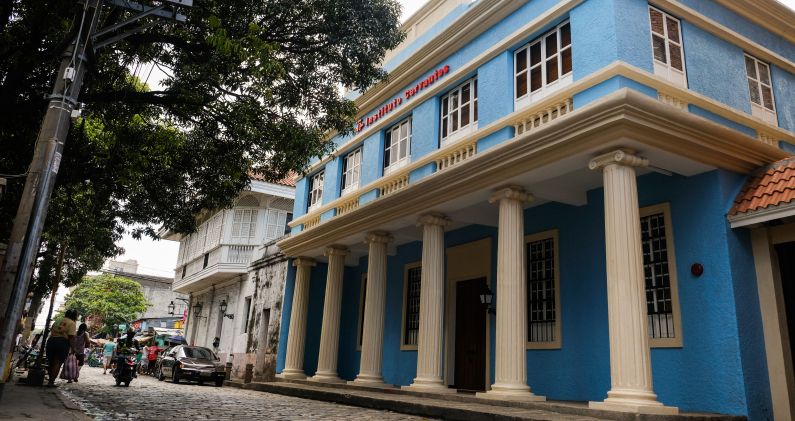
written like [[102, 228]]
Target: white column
[[330, 333], [430, 370], [374, 312], [296, 336], [630, 360], [511, 299]]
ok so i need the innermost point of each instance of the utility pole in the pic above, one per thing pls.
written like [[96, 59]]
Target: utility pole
[[25, 236]]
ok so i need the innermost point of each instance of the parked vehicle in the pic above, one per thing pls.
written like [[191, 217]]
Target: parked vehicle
[[196, 363], [125, 369]]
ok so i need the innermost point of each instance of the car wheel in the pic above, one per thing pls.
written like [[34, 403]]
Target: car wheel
[[160, 375], [118, 382], [219, 382], [201, 382], [126, 384], [174, 376]]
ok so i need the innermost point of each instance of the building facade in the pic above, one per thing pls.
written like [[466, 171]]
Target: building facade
[[576, 163], [213, 269], [158, 293]]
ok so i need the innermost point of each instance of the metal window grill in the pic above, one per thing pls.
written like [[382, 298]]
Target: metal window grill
[[412, 322], [658, 281], [541, 291]]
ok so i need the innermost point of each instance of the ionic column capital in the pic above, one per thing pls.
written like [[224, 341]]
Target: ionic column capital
[[336, 250], [511, 193], [303, 261], [378, 237], [624, 157], [433, 219]]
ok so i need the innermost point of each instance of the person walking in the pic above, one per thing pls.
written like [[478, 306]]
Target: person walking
[[152, 357], [59, 345], [107, 353], [81, 341]]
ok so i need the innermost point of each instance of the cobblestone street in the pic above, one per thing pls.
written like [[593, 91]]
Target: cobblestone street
[[148, 399]]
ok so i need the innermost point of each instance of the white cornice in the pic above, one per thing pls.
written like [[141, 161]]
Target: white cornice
[[763, 215], [769, 14]]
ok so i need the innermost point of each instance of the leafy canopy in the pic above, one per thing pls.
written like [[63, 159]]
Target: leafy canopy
[[113, 299]]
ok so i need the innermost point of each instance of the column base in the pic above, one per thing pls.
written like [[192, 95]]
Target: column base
[[636, 401], [292, 374], [326, 378], [429, 386], [370, 381], [510, 393]]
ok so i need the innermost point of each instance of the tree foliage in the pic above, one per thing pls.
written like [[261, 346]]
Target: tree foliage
[[112, 299]]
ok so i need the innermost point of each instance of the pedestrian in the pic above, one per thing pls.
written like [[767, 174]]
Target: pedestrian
[[81, 341], [143, 366], [217, 344], [152, 357], [107, 353], [59, 344]]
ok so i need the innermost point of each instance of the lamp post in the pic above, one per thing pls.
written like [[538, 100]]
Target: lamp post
[[171, 307], [197, 310], [223, 308]]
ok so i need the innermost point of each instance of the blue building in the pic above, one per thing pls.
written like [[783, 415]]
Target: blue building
[[551, 200]]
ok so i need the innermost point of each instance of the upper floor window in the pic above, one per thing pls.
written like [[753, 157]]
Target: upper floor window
[[397, 146], [460, 111], [275, 221], [666, 42], [761, 89], [316, 190], [411, 306], [543, 291], [351, 170], [659, 268], [543, 66], [244, 223]]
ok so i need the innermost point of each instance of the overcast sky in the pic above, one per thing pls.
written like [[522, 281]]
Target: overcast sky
[[160, 257]]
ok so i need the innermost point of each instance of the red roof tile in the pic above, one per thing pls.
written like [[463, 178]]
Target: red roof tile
[[288, 181], [773, 185]]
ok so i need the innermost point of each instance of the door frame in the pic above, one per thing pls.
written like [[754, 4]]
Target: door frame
[[465, 262], [774, 319]]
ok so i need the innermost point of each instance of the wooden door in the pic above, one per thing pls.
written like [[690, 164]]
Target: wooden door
[[470, 336], [786, 262]]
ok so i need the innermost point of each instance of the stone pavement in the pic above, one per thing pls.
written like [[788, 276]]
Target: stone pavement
[[22, 402], [148, 399]]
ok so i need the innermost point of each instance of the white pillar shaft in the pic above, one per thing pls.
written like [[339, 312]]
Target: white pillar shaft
[[630, 359], [429, 343], [296, 336], [330, 333], [510, 358], [374, 312]]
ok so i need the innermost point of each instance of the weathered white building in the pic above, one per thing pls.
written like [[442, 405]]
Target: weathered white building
[[213, 269], [156, 289]]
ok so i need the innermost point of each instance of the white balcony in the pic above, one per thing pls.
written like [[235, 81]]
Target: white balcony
[[221, 263]]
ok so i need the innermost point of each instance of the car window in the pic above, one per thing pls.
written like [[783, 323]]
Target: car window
[[197, 352]]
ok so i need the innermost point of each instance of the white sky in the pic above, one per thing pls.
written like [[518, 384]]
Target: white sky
[[160, 257]]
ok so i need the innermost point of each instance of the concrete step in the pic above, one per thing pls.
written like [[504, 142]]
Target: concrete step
[[457, 406]]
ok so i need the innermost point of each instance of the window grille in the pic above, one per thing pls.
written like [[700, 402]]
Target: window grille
[[397, 145], [316, 189], [666, 41], [544, 62], [351, 169], [460, 109], [541, 291], [659, 305], [411, 324], [244, 223]]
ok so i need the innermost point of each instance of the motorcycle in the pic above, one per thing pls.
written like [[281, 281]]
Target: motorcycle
[[125, 369]]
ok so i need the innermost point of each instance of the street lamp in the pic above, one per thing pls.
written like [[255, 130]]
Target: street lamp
[[197, 309], [223, 308], [486, 297], [171, 307]]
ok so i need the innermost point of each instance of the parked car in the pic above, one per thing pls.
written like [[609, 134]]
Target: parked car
[[196, 363]]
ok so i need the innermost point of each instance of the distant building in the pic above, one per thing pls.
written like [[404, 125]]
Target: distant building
[[157, 290], [127, 266]]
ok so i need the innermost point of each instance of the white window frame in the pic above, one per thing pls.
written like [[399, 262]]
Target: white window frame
[[244, 223], [666, 70], [547, 88], [404, 346], [391, 144], [676, 341], [315, 198], [351, 171], [531, 238], [275, 221], [760, 110], [446, 120]]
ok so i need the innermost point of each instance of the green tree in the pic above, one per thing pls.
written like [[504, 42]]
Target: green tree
[[109, 298]]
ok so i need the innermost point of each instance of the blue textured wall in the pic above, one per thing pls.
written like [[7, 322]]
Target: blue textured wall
[[372, 158], [784, 93], [287, 307], [299, 206], [495, 89], [425, 128], [704, 55], [332, 180]]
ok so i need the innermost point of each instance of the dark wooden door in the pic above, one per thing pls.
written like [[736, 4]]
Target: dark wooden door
[[786, 264], [470, 336]]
